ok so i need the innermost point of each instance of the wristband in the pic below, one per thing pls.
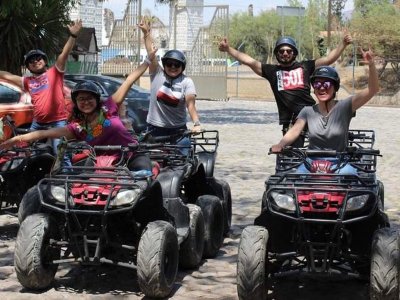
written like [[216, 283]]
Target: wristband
[[196, 123], [73, 35], [147, 61]]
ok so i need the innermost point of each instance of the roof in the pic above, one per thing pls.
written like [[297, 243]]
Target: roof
[[84, 40]]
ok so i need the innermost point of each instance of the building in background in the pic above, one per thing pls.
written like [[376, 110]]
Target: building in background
[[91, 13], [186, 18]]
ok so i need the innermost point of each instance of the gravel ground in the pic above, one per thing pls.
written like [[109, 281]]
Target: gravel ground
[[247, 130]]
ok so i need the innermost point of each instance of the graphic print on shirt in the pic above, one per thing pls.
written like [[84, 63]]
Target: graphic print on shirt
[[169, 95], [38, 84], [290, 80]]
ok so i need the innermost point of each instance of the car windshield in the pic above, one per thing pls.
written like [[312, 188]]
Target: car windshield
[[8, 95]]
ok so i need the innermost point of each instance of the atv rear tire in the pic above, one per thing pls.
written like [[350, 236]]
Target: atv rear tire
[[33, 254], [213, 223], [191, 250], [381, 194], [157, 259], [384, 279], [226, 205], [30, 204], [252, 264]]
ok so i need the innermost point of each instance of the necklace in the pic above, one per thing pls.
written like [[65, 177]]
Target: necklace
[[325, 120], [96, 129]]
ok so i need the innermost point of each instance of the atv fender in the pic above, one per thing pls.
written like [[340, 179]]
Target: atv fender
[[44, 161], [208, 161], [151, 206], [171, 182]]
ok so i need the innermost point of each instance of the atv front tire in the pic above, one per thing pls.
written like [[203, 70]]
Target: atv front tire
[[252, 264], [191, 250], [213, 222], [33, 253], [384, 279], [157, 259], [30, 204]]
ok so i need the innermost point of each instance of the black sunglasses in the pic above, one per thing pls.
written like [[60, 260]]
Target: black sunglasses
[[34, 58], [171, 64], [288, 51]]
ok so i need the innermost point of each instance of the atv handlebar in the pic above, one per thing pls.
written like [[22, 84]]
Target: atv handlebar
[[362, 159], [352, 151]]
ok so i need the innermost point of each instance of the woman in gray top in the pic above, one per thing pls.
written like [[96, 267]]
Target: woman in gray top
[[172, 92], [328, 121]]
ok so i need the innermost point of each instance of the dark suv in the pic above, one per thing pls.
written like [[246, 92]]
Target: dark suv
[[137, 100]]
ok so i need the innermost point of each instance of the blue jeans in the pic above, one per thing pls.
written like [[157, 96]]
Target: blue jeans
[[54, 142], [161, 131], [346, 169]]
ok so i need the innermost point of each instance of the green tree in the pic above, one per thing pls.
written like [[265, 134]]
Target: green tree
[[31, 24], [378, 26]]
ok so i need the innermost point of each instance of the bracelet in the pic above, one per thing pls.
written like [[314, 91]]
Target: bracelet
[[147, 61], [73, 35], [196, 123], [145, 37]]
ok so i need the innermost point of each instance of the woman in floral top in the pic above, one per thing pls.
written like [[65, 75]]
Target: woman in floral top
[[94, 121]]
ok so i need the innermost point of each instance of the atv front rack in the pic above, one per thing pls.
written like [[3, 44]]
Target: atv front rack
[[111, 179], [324, 190]]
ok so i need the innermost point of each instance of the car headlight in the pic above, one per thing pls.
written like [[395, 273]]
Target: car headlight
[[356, 202], [126, 197], [284, 201]]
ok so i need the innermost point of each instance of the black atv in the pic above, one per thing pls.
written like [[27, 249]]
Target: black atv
[[98, 212], [22, 166], [322, 223], [187, 179]]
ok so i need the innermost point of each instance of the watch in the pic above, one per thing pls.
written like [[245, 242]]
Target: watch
[[196, 123]]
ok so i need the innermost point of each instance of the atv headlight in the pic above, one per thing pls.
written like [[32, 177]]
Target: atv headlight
[[58, 193], [284, 201], [356, 202], [126, 197]]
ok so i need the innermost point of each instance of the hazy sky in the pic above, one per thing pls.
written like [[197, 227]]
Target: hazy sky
[[161, 11]]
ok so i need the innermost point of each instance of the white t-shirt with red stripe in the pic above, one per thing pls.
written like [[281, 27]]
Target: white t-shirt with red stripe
[[167, 101]]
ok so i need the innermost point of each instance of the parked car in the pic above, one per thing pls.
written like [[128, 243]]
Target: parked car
[[17, 104], [137, 99]]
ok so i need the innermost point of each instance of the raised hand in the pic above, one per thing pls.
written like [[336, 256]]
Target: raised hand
[[75, 27], [368, 56], [223, 45], [347, 38], [145, 25]]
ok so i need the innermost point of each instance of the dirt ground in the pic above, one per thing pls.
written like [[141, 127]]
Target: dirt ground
[[247, 129]]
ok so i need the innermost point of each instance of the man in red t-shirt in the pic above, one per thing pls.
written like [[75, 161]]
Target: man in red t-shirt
[[45, 85]]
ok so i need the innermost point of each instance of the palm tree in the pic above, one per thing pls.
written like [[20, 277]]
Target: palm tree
[[31, 24]]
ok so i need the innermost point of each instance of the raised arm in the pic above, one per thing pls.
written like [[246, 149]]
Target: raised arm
[[335, 53], [74, 29], [191, 107], [290, 136], [243, 58], [365, 95], [145, 26], [36, 135], [120, 94], [17, 80]]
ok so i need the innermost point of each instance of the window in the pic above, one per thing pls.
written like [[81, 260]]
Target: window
[[8, 95]]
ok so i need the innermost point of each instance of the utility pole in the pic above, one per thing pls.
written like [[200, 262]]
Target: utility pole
[[329, 24]]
